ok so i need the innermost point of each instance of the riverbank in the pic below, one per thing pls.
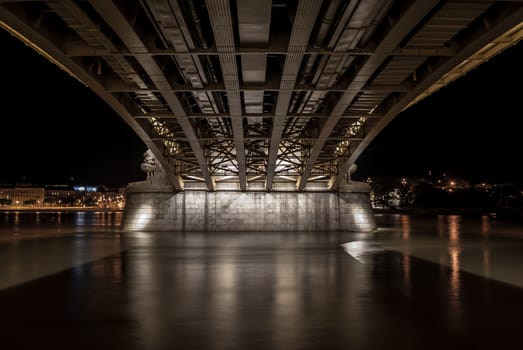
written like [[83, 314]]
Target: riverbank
[[40, 209]]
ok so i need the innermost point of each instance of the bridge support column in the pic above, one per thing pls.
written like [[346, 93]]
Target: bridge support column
[[159, 208], [357, 212]]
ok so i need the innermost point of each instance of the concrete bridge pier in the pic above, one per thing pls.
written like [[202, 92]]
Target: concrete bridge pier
[[154, 207]]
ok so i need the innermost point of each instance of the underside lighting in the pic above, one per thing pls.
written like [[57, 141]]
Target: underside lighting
[[224, 178], [507, 39], [197, 178], [351, 131], [257, 177], [41, 51], [288, 178], [317, 177], [142, 218], [160, 127]]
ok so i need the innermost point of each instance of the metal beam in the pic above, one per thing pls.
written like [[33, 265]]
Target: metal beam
[[112, 14], [306, 15], [221, 22], [75, 48], [386, 77], [37, 39], [501, 35], [410, 19]]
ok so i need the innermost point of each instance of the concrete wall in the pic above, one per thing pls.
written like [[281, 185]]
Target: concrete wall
[[157, 208]]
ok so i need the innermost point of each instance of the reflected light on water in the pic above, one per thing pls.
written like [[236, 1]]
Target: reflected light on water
[[454, 250], [486, 260], [224, 305], [454, 253], [80, 218], [454, 227], [159, 290], [99, 218], [225, 278], [485, 225], [360, 249], [455, 284], [450, 263], [107, 218], [405, 227], [286, 302]]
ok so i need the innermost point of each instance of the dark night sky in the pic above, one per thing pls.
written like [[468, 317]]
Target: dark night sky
[[55, 129]]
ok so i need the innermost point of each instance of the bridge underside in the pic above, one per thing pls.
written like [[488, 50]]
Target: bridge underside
[[262, 94]]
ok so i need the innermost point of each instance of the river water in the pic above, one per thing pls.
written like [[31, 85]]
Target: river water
[[73, 280]]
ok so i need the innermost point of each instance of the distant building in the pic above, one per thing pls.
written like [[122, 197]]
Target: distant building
[[57, 195], [23, 195], [6, 194]]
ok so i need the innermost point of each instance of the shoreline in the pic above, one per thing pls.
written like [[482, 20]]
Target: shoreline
[[51, 209]]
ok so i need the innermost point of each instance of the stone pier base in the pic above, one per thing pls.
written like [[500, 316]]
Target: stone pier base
[[158, 208]]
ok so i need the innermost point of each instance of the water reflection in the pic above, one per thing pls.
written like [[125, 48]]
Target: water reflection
[[405, 226], [276, 288], [258, 290], [23, 260], [454, 226], [485, 225], [70, 218], [454, 251], [486, 260], [460, 247], [455, 283], [80, 218]]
